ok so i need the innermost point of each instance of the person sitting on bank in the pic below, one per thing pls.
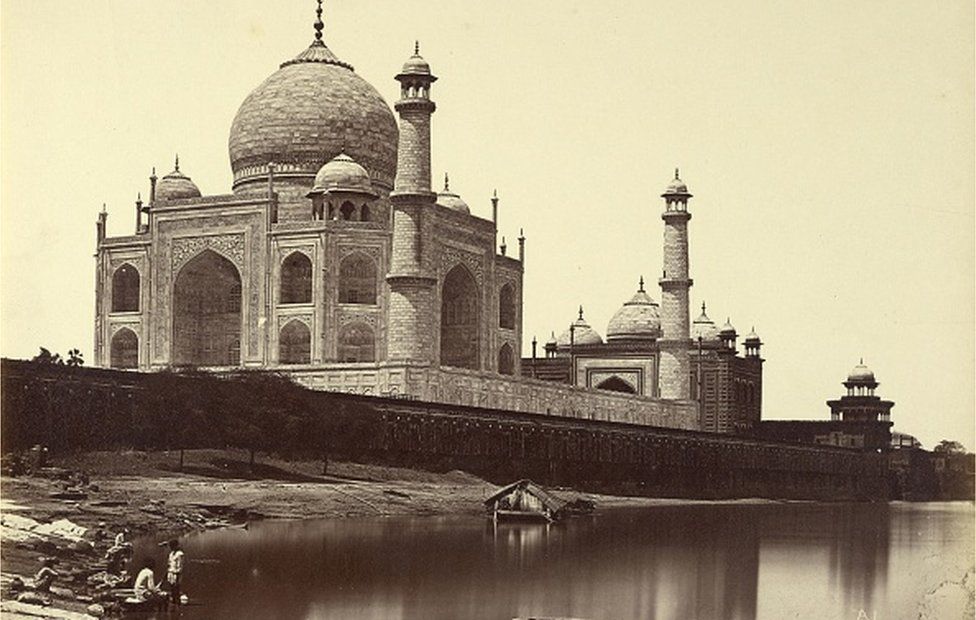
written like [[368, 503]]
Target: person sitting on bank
[[146, 590], [45, 575], [174, 570], [119, 553], [120, 537]]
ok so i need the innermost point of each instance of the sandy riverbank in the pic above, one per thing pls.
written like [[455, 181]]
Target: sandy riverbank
[[150, 495]]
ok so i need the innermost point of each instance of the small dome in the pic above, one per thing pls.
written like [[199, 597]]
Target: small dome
[[861, 374], [582, 334], [752, 337], [552, 340], [449, 199], [638, 318], [415, 65], [676, 186], [703, 327], [727, 329], [342, 174], [176, 186]]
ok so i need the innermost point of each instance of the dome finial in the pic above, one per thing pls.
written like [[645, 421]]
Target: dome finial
[[447, 183], [862, 361], [104, 208], [318, 22], [416, 48], [703, 307], [177, 162], [581, 313], [676, 175], [641, 288]]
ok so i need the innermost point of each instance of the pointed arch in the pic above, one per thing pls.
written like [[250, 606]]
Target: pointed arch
[[357, 280], [506, 360], [295, 343], [207, 312], [506, 307], [460, 320], [124, 349], [125, 289], [616, 384], [357, 343], [296, 279]]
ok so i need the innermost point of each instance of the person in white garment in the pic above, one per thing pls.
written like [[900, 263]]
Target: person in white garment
[[146, 590], [174, 571]]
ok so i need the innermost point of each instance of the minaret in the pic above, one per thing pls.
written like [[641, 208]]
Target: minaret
[[413, 295], [675, 367], [100, 226], [139, 213], [414, 108]]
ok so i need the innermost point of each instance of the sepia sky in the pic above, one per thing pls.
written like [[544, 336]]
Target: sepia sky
[[829, 146]]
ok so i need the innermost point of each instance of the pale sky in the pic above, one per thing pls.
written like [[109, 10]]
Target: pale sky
[[829, 146]]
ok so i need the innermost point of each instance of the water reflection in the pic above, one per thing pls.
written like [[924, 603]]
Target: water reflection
[[717, 561]]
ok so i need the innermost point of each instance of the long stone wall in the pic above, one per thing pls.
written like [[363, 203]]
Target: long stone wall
[[80, 408], [475, 389], [621, 458]]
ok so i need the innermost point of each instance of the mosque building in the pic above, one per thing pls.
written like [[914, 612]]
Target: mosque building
[[334, 260], [639, 354]]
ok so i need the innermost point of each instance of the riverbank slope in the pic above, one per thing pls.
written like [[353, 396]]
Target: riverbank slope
[[152, 494]]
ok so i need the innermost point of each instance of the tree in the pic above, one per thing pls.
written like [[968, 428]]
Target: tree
[[46, 357], [75, 358], [256, 411], [949, 447]]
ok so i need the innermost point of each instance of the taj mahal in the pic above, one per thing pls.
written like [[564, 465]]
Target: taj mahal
[[333, 259]]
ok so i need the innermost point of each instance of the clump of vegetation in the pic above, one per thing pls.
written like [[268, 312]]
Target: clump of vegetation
[[45, 356]]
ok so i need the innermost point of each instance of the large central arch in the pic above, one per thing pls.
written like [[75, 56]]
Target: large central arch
[[207, 312], [460, 320]]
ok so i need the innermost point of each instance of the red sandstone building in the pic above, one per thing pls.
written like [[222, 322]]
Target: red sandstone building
[[859, 419]]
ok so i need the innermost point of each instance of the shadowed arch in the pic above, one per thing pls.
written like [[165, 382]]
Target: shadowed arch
[[295, 343], [616, 384], [207, 312], [506, 307], [357, 343], [125, 349], [296, 279], [506, 360], [357, 280], [125, 289], [460, 320]]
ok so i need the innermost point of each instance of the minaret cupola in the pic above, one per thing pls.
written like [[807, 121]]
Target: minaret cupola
[[752, 344]]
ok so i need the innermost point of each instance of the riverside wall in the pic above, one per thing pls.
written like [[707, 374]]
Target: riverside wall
[[87, 408]]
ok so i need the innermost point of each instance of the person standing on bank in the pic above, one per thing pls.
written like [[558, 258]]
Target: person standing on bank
[[174, 570]]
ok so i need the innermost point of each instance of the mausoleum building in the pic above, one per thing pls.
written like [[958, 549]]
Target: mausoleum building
[[332, 258]]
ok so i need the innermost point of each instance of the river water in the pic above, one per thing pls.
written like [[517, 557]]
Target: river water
[[775, 561]]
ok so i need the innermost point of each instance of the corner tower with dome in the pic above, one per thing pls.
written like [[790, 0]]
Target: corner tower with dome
[[332, 258]]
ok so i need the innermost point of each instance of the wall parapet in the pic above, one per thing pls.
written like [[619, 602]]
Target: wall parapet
[[457, 386]]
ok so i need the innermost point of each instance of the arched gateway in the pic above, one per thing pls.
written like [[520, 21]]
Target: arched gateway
[[460, 320], [207, 312]]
